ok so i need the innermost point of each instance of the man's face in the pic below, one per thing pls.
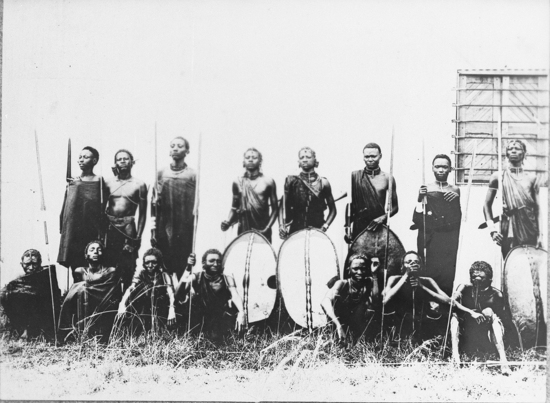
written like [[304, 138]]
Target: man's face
[[94, 253], [123, 161], [31, 264], [150, 263], [86, 160], [307, 160], [441, 169], [479, 277], [411, 264], [178, 149], [371, 156], [514, 152], [251, 160], [358, 270], [213, 264]]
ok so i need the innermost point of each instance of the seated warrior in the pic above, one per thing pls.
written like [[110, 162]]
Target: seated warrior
[[91, 302], [127, 195], [351, 304], [306, 198], [477, 324], [253, 194], [151, 294], [29, 300], [411, 300], [216, 306]]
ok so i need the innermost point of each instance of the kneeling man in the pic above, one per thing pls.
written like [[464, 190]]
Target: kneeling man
[[351, 304], [479, 321], [151, 293], [216, 305]]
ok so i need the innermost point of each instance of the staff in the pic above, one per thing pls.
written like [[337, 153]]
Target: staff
[[388, 212], [43, 209], [154, 196], [68, 178]]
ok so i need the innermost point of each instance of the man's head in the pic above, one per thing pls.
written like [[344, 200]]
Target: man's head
[[411, 263], [94, 251], [516, 150], [31, 261], [179, 148], [307, 159], [252, 159], [481, 274], [372, 155], [124, 160], [359, 267], [152, 260], [88, 158], [441, 167], [212, 262]]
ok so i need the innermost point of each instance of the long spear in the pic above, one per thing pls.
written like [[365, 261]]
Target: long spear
[[195, 221], [154, 193], [388, 212], [68, 178], [424, 202], [43, 209]]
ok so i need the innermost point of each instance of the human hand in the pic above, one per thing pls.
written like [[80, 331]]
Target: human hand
[[121, 309], [374, 224], [478, 317], [225, 225], [347, 235], [171, 316], [191, 260], [340, 332], [414, 281], [497, 237], [450, 196], [422, 192], [239, 323], [540, 240], [324, 228], [283, 233], [375, 265], [153, 223]]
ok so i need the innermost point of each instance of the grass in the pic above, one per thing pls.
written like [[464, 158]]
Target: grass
[[167, 366]]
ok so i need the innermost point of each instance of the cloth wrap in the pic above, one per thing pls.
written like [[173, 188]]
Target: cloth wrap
[[27, 302], [175, 217], [305, 204], [82, 221], [122, 231], [90, 306], [253, 213], [365, 205], [442, 235]]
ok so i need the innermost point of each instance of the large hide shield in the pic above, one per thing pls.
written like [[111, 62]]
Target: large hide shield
[[251, 261], [307, 261], [373, 244], [525, 273]]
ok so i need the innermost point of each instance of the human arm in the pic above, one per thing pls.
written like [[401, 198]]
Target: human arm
[[235, 205], [183, 287], [394, 285], [382, 219], [488, 209], [284, 212], [329, 199], [236, 299], [328, 306], [171, 299], [452, 194], [125, 297], [272, 192], [142, 210]]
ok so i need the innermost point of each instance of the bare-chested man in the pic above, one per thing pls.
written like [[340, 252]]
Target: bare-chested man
[[368, 194], [306, 198], [442, 218], [521, 222], [127, 194], [82, 216], [253, 193]]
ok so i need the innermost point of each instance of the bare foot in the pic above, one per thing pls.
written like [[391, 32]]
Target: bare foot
[[505, 369]]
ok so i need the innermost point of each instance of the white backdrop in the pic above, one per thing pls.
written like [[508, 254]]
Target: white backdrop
[[275, 75]]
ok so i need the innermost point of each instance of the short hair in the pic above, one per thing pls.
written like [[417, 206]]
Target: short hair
[[442, 156], [156, 253], [97, 241], [313, 154], [518, 141], [210, 252], [485, 267], [183, 139], [355, 256], [260, 157], [31, 253], [94, 152], [123, 150], [411, 252], [373, 145]]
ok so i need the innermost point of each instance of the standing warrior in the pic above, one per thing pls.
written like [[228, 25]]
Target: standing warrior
[[482, 328], [126, 195], [521, 222], [368, 194], [82, 218], [351, 304], [215, 300], [306, 198], [442, 229], [252, 194], [173, 226]]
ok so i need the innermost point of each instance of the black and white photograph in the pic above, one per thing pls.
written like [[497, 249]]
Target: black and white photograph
[[235, 200]]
